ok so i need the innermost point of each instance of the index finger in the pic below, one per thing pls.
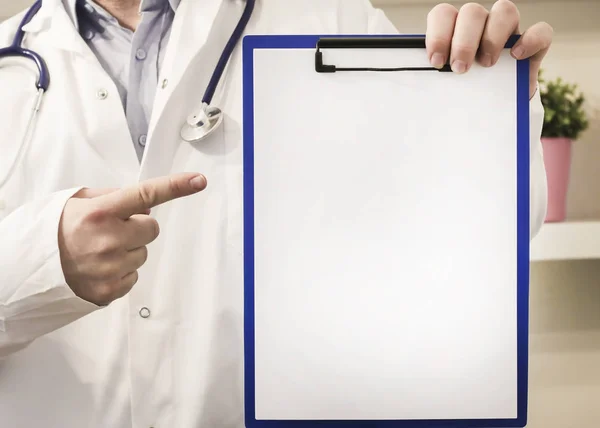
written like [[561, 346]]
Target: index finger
[[151, 193], [440, 29]]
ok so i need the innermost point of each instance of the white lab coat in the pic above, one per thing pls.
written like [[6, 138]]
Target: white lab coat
[[67, 363]]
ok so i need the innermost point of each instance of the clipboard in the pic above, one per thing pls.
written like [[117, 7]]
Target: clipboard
[[386, 235]]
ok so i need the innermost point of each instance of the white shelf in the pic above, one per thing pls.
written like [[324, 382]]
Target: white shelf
[[567, 241], [398, 3]]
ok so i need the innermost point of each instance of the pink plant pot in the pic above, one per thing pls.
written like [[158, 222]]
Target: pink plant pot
[[557, 159]]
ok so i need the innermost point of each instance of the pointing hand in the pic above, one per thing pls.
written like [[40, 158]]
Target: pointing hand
[[103, 234]]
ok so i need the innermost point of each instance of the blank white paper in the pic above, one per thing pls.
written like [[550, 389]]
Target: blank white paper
[[385, 239]]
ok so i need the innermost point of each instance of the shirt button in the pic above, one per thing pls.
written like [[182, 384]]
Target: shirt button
[[102, 94], [145, 312], [88, 35], [142, 140], [140, 54]]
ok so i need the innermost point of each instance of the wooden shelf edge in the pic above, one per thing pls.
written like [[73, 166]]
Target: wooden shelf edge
[[567, 241]]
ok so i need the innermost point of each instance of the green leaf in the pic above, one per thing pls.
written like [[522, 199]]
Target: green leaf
[[563, 104]]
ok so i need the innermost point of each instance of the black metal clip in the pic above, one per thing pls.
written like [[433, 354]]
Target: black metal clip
[[371, 43]]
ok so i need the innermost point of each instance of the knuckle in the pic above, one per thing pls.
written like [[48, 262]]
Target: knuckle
[[131, 280], [548, 30], [464, 52], [95, 213], [540, 36], [75, 227], [106, 271], [107, 245], [506, 5], [438, 44], [507, 11], [474, 9], [535, 40], [105, 292], [445, 9], [114, 286], [491, 45], [146, 196]]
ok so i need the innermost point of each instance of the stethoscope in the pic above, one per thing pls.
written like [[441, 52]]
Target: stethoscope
[[200, 125], [16, 50], [197, 127]]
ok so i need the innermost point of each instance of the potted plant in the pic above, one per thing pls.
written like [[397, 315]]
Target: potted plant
[[564, 121]]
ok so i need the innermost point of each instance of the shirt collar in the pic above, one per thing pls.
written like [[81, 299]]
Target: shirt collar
[[145, 5], [71, 11]]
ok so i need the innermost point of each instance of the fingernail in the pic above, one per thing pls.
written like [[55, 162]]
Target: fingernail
[[198, 183], [518, 52], [486, 60], [459, 66], [437, 60]]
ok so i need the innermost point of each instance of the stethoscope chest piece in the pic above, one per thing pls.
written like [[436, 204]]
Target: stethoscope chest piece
[[199, 126]]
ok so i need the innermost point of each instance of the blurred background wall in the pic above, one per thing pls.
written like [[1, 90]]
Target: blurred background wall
[[565, 290]]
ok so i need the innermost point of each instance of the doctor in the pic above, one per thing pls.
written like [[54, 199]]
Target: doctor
[[114, 318]]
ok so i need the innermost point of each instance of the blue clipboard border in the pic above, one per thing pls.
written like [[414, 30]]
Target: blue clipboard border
[[254, 42]]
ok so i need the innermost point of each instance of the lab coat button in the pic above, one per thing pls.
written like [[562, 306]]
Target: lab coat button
[[89, 35], [102, 94], [145, 312], [2, 205], [165, 83], [140, 54]]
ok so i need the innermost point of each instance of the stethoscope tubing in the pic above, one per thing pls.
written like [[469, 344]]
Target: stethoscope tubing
[[16, 49], [227, 52]]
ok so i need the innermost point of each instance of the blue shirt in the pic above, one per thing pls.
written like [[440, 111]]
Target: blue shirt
[[132, 59]]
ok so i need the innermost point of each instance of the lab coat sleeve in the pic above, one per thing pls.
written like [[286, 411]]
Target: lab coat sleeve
[[377, 20], [34, 297], [538, 186], [378, 23]]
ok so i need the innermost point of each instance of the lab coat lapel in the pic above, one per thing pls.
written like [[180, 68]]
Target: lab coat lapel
[[59, 29], [193, 23], [54, 34], [101, 105], [200, 32]]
